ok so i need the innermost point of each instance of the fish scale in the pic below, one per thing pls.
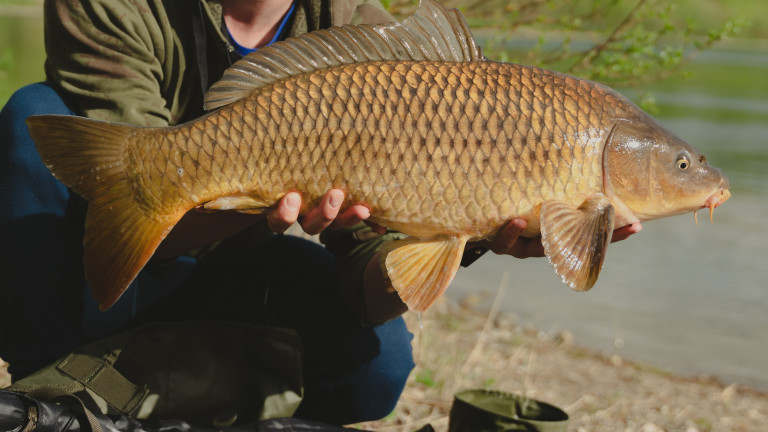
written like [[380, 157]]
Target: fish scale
[[411, 166], [407, 118]]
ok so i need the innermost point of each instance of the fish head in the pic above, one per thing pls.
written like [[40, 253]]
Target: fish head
[[650, 173]]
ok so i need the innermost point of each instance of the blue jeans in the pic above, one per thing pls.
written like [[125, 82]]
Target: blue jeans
[[352, 373]]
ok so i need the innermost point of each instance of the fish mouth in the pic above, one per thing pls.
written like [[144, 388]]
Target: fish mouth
[[713, 201], [717, 198]]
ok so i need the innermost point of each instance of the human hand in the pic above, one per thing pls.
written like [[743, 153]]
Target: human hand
[[509, 242], [319, 218], [624, 232]]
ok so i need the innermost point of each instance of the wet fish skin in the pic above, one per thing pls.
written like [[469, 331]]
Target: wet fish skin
[[432, 148]]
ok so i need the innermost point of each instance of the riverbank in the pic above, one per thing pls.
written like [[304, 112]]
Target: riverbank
[[458, 346]]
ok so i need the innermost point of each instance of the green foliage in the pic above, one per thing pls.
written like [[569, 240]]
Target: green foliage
[[624, 43]]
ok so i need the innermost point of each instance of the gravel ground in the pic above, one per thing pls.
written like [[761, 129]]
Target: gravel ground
[[459, 347]]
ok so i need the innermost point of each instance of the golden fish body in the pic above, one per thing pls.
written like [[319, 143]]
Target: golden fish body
[[439, 143], [432, 148]]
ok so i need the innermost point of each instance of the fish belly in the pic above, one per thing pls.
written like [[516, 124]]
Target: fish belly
[[431, 147]]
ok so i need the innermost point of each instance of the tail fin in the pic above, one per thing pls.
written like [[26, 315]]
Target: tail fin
[[87, 156]]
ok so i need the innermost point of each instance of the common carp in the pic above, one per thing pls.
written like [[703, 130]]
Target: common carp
[[409, 119]]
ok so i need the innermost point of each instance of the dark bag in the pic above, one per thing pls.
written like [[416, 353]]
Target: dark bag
[[205, 372], [19, 413]]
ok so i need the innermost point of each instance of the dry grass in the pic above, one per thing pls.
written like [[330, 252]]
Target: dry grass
[[458, 347]]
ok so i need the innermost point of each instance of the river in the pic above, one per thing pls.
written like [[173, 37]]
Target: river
[[684, 298]]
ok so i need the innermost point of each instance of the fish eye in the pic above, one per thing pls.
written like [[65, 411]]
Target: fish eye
[[683, 162]]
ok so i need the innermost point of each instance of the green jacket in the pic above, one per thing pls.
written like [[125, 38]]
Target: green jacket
[[148, 62], [137, 62]]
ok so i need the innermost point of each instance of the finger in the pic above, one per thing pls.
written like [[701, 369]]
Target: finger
[[378, 229], [624, 232], [286, 213], [351, 216], [321, 216], [528, 248], [505, 240]]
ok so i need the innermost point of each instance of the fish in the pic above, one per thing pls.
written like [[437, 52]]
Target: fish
[[407, 118]]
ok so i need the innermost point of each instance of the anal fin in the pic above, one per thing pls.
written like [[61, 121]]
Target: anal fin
[[239, 203], [421, 270], [576, 239]]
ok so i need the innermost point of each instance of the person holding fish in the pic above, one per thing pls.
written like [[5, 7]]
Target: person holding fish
[[152, 69], [213, 256]]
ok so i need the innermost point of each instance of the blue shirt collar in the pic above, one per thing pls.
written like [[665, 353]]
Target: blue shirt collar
[[243, 51]]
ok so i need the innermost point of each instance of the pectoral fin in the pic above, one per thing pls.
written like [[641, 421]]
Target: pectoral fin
[[238, 203], [576, 239], [421, 270]]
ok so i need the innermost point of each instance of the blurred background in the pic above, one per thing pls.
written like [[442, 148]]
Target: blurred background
[[684, 298]]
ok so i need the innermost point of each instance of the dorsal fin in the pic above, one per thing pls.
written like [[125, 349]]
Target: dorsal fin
[[431, 33]]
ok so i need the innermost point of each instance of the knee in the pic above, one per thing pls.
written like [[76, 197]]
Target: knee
[[395, 365], [379, 400], [385, 377], [363, 382], [26, 183], [34, 99]]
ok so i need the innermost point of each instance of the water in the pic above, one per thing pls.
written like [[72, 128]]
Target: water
[[686, 298]]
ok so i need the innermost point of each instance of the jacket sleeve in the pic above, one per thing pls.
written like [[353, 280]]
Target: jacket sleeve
[[110, 56], [353, 248]]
